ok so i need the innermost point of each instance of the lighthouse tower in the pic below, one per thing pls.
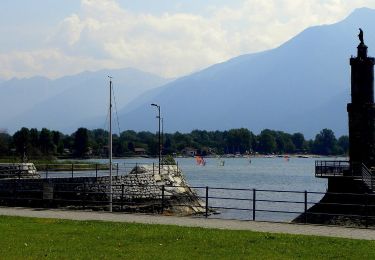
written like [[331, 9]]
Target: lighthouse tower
[[361, 110]]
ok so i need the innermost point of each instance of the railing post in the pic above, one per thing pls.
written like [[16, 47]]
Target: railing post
[[117, 170], [96, 171], [254, 203], [72, 170], [305, 212], [122, 197], [162, 199], [206, 201], [83, 195], [46, 171], [366, 210], [15, 192], [153, 168]]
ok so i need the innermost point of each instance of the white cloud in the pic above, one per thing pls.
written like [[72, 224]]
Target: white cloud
[[49, 62], [104, 35]]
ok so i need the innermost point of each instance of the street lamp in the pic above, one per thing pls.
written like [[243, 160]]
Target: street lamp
[[162, 139], [155, 105]]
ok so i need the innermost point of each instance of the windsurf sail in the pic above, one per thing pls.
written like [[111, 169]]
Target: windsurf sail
[[200, 160]]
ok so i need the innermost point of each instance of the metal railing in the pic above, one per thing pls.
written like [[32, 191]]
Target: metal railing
[[332, 168], [328, 169], [16, 170], [214, 202], [367, 177], [75, 170]]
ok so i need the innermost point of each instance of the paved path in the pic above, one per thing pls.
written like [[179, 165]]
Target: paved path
[[319, 230]]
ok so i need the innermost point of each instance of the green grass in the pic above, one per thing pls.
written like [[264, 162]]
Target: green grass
[[33, 238]]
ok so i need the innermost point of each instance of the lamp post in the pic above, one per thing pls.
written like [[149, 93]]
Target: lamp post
[[162, 139], [158, 107]]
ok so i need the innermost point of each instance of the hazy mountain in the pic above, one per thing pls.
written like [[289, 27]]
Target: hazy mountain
[[19, 95], [67, 103], [303, 85]]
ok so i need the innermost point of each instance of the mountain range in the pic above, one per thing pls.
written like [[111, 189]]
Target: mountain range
[[301, 86], [69, 102]]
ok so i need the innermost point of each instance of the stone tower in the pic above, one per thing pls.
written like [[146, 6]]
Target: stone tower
[[361, 110]]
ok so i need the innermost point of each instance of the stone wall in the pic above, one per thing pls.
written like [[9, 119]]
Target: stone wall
[[140, 190], [18, 170]]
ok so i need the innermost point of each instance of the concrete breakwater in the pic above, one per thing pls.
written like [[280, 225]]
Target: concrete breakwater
[[142, 190]]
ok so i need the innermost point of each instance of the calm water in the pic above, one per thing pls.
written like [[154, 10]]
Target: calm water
[[296, 174], [262, 173]]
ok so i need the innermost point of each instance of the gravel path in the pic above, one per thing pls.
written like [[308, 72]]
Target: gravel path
[[319, 230]]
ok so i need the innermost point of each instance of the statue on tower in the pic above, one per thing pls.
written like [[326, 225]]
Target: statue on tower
[[360, 36]]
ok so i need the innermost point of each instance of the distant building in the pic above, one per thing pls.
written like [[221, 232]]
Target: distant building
[[188, 151], [139, 151]]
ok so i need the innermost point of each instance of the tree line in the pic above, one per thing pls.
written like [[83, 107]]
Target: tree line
[[94, 143]]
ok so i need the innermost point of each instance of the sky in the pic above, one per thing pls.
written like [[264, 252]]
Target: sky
[[170, 38]]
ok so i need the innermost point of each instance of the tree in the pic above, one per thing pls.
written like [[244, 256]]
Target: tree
[[267, 142], [325, 143], [57, 138], [81, 142], [99, 141], [46, 142], [239, 140], [34, 137], [343, 143], [21, 140], [5, 142], [299, 141]]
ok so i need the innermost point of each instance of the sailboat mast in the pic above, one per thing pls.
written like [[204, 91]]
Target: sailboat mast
[[110, 144]]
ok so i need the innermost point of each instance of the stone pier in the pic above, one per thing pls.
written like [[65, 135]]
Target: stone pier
[[142, 190]]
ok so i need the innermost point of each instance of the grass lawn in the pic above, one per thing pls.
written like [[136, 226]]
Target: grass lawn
[[34, 238]]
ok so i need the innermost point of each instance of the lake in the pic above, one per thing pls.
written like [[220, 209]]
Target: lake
[[266, 175]]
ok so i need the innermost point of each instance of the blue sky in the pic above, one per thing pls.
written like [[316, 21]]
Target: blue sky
[[166, 37]]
